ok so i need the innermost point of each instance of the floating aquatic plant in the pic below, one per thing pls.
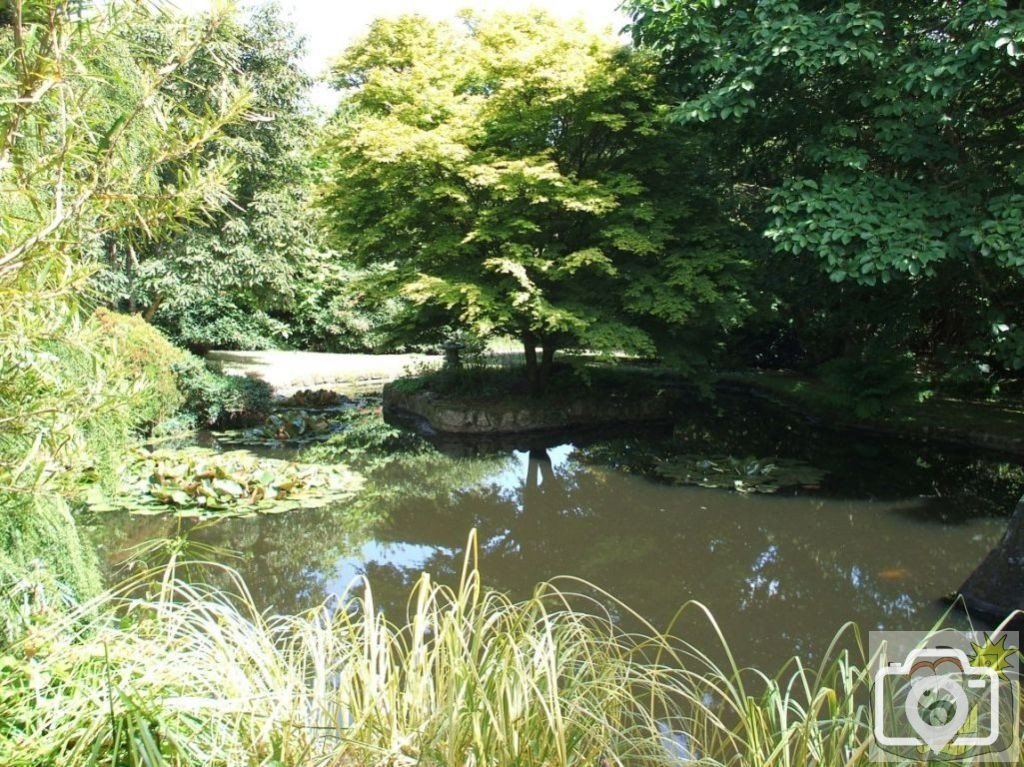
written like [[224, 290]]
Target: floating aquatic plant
[[744, 475], [291, 427], [201, 482], [320, 399]]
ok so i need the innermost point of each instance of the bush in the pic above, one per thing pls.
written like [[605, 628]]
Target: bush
[[138, 355], [220, 400], [871, 382], [159, 379]]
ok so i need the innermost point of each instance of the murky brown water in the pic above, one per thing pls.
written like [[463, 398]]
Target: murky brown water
[[893, 529]]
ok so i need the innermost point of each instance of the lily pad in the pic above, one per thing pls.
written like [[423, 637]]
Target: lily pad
[[288, 427], [201, 482], [744, 475]]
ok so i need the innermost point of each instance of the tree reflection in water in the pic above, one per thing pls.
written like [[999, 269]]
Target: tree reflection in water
[[780, 572]]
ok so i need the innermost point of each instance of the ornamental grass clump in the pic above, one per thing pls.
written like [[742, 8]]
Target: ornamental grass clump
[[177, 674]]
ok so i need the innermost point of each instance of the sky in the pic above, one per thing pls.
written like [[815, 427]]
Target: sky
[[330, 25]]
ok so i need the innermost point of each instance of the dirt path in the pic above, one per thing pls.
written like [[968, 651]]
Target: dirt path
[[288, 372]]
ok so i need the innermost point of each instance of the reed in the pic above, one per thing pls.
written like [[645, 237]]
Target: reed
[[169, 673]]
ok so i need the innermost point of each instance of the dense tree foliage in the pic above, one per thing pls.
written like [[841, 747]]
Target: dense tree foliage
[[878, 142], [513, 175], [231, 279]]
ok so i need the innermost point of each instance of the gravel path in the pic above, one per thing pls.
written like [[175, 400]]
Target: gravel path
[[288, 372]]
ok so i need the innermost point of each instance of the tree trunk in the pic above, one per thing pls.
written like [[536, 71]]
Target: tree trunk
[[546, 362], [530, 352], [150, 312]]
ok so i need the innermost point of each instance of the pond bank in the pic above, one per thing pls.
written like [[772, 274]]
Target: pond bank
[[957, 422], [966, 423]]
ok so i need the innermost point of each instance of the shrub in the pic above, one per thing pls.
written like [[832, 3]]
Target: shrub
[[221, 400], [140, 356], [875, 380]]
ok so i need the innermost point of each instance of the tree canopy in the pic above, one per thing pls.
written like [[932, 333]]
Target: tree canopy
[[882, 139], [230, 278], [513, 175]]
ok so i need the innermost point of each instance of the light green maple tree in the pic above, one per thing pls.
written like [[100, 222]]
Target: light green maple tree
[[513, 175]]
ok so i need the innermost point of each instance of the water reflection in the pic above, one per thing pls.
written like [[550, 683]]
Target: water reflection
[[784, 572], [892, 529], [289, 562]]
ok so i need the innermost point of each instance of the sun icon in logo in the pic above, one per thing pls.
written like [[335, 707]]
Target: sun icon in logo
[[993, 655]]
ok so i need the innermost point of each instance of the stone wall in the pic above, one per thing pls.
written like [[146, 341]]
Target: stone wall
[[522, 415]]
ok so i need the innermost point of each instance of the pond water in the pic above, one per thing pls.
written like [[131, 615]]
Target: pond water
[[890, 530]]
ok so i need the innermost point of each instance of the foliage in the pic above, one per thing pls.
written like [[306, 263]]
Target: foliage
[[190, 677], [221, 400], [874, 382], [744, 475], [469, 380], [501, 376], [43, 561], [143, 359], [306, 417], [316, 398], [230, 281], [877, 144], [291, 427], [332, 312], [83, 123], [201, 482], [502, 174]]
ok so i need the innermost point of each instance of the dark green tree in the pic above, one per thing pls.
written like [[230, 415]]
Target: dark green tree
[[230, 280], [878, 142]]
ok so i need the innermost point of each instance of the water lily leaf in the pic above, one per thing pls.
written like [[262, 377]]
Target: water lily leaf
[[231, 483], [229, 486], [743, 475]]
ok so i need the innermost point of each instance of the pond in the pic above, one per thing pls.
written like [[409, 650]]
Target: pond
[[889, 530]]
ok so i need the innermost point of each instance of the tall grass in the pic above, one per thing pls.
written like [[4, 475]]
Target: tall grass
[[184, 675]]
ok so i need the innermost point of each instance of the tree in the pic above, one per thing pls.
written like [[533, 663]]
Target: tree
[[231, 279], [511, 176], [882, 140]]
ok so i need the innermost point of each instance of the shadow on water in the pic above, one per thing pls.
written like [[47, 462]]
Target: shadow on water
[[891, 529]]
